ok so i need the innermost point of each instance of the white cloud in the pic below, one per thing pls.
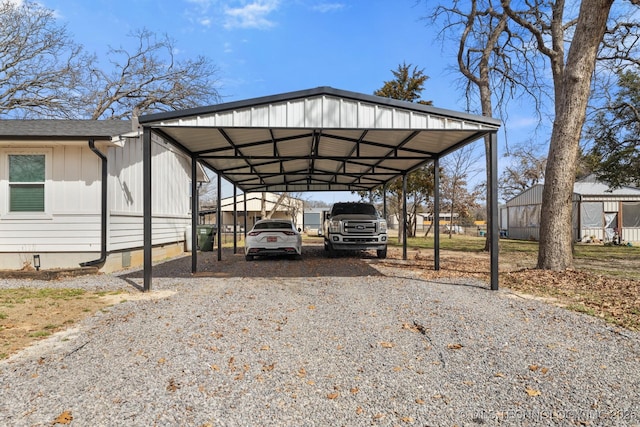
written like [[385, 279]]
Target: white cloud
[[251, 15], [328, 7]]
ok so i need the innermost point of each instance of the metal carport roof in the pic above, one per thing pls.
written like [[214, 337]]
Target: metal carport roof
[[321, 139]]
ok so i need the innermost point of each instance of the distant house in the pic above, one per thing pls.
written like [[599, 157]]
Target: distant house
[[598, 212], [72, 193], [278, 205]]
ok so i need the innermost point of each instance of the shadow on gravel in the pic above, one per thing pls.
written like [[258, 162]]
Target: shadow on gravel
[[314, 263]]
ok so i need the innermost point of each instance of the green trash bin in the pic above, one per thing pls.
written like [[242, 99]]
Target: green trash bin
[[206, 236]]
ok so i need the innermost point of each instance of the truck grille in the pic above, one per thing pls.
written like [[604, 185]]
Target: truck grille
[[360, 228]]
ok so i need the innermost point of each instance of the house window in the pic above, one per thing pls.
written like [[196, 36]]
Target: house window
[[27, 176]]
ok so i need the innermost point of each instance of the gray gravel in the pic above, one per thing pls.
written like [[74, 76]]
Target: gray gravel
[[356, 344]]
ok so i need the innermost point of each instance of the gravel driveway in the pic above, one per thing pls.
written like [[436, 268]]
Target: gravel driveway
[[322, 342]]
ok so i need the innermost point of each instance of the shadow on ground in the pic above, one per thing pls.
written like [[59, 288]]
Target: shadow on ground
[[314, 263]]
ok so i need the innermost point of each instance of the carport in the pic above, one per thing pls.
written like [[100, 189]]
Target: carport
[[321, 139]]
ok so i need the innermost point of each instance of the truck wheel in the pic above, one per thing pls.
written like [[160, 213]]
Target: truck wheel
[[332, 252], [382, 253], [248, 257], [326, 245]]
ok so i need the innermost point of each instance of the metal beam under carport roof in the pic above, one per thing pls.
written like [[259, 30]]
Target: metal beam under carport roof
[[321, 139]]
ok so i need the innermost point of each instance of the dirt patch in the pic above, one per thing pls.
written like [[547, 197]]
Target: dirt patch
[[29, 315]]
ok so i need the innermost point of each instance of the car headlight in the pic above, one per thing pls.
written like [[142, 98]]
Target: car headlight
[[334, 226], [383, 226]]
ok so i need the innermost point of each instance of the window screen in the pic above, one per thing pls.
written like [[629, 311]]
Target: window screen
[[631, 214], [592, 214], [26, 182]]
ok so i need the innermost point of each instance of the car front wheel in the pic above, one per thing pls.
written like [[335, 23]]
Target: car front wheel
[[382, 253]]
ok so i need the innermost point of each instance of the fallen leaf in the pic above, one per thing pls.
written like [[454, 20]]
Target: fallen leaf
[[533, 392], [312, 307], [64, 418], [454, 346], [333, 395], [419, 401], [407, 419], [161, 361], [385, 344], [267, 368], [379, 416], [533, 367], [173, 386], [359, 410], [544, 370], [499, 375], [354, 390], [215, 367], [265, 348], [302, 372]]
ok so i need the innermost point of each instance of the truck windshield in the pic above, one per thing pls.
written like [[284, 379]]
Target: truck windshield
[[361, 209]]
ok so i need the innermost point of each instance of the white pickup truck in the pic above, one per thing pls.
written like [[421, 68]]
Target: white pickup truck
[[355, 226]]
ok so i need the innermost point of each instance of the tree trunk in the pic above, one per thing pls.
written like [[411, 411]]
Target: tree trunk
[[571, 96]]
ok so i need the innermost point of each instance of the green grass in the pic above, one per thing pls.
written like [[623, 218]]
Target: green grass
[[9, 297], [462, 243]]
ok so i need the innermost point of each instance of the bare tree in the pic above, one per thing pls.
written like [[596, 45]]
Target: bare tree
[[43, 73], [490, 59], [149, 79], [572, 73], [525, 170], [40, 66], [458, 168]]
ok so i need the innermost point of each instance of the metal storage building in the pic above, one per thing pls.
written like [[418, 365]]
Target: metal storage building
[[598, 212]]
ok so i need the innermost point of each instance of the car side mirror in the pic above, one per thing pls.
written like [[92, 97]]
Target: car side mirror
[[299, 229]]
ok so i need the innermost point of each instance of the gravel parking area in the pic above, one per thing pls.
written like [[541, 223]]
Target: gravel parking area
[[321, 342]]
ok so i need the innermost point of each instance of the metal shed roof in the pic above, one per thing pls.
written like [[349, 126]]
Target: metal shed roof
[[321, 139]]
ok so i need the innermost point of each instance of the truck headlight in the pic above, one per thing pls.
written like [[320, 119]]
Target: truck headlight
[[334, 226], [383, 226]]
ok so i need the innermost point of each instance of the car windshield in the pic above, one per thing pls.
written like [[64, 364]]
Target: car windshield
[[362, 209], [273, 225]]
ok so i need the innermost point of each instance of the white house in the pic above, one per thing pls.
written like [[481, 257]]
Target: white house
[[598, 212], [71, 192]]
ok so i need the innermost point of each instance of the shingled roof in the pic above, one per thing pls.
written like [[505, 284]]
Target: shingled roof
[[60, 128]]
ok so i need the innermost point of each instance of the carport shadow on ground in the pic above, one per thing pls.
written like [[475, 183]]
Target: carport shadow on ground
[[314, 263]]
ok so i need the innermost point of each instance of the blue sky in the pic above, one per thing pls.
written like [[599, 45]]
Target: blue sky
[[266, 47]]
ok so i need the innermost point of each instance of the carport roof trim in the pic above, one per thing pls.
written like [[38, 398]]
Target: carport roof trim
[[150, 119]]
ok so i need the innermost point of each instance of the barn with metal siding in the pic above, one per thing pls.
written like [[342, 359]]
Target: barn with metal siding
[[598, 212]]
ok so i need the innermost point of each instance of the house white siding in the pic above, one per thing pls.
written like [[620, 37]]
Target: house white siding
[[171, 172], [68, 232]]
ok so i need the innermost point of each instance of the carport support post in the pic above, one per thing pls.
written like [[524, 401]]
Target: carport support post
[[244, 194], [146, 207], [235, 219], [494, 231], [195, 202], [384, 203], [404, 217], [219, 216], [435, 220]]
